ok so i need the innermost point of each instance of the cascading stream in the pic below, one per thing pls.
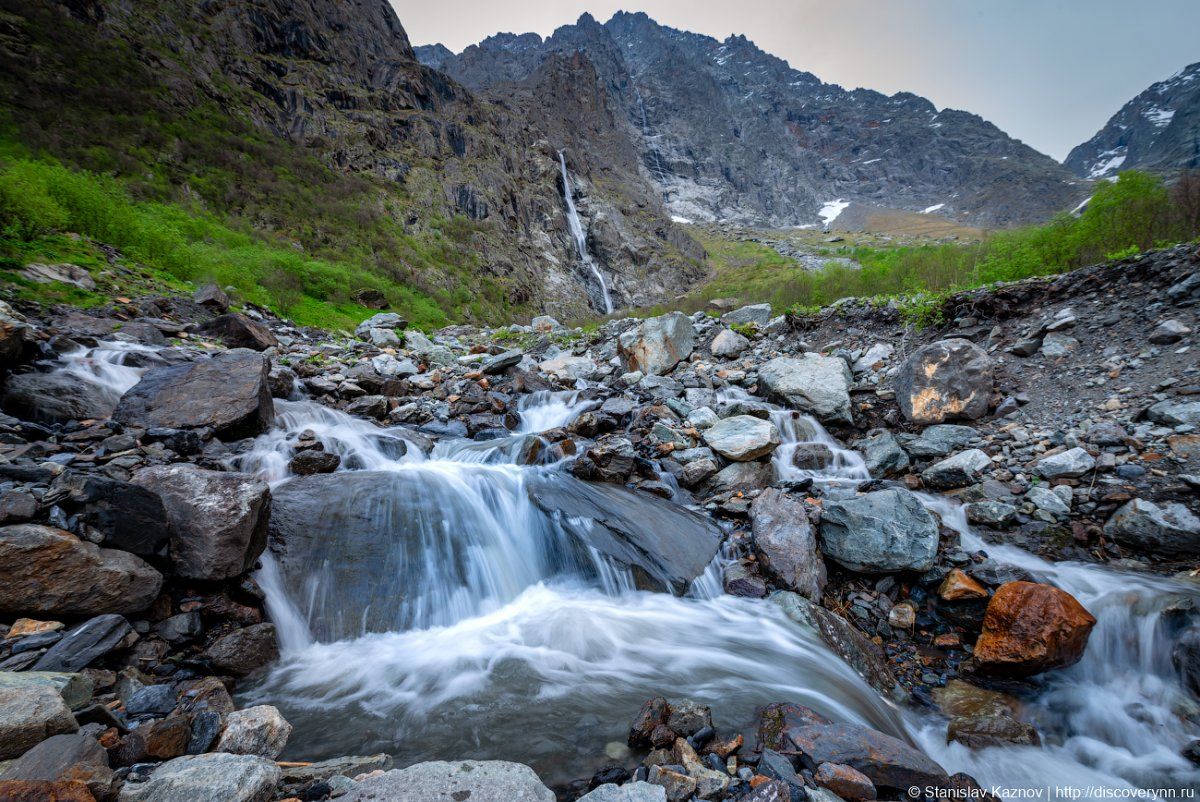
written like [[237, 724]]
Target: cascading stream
[[577, 234], [548, 652]]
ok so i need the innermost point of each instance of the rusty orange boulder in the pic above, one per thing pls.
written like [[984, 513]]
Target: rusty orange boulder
[[1030, 628], [946, 380]]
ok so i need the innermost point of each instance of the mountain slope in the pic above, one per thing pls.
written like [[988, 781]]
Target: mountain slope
[[730, 133], [1159, 130]]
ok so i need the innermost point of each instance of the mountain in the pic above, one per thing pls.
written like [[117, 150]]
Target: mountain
[[727, 132], [1159, 131], [312, 121]]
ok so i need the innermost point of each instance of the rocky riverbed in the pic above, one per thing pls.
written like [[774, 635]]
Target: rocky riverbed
[[962, 514]]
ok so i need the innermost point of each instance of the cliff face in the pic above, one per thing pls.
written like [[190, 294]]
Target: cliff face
[[1159, 130], [727, 132], [467, 190]]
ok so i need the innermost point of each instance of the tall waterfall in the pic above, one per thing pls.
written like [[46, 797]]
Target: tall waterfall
[[579, 237], [656, 170]]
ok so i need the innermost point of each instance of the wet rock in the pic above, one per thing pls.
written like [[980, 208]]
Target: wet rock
[[960, 470], [152, 700], [679, 787], [51, 571], [991, 513], [1030, 628], [306, 463], [165, 738], [786, 543], [1168, 332], [630, 792], [369, 406], [886, 761], [218, 519], [610, 459], [739, 581], [757, 314], [880, 532], [350, 766], [85, 644], [1168, 529], [780, 768], [981, 732], [687, 718], [215, 777], [845, 781], [64, 758], [29, 716], [238, 331], [260, 730], [75, 689], [1186, 657], [13, 328], [946, 380], [728, 344], [466, 780], [959, 698], [57, 398], [245, 650], [814, 384], [812, 456], [229, 394], [130, 517], [957, 586], [1175, 413], [742, 438], [651, 717], [697, 471], [939, 440], [1072, 463], [657, 344], [883, 455]]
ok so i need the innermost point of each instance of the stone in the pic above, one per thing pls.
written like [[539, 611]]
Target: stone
[[569, 368], [1186, 659], [244, 650], [773, 791], [651, 717], [630, 792], [679, 787], [130, 517], [501, 362], [880, 532], [1056, 345], [165, 738], [1071, 464], [460, 781], [939, 440], [71, 274], [1030, 628], [349, 766], [812, 456], [756, 314], [369, 406], [64, 758], [17, 507], [687, 717], [1175, 413], [85, 644], [544, 324], [212, 296], [963, 469], [742, 438], [75, 689], [728, 344], [218, 519], [874, 358], [814, 384], [657, 344], [29, 716], [610, 459], [883, 455], [982, 732], [306, 463], [957, 586], [370, 298], [238, 331], [1046, 499], [786, 544], [152, 700], [995, 514], [384, 320], [260, 730], [845, 781], [214, 777], [886, 761], [1169, 529], [946, 380], [13, 328], [51, 571], [1168, 332], [228, 393], [959, 698], [743, 477], [57, 398]]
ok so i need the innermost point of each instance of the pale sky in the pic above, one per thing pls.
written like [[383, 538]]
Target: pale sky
[[1048, 72]]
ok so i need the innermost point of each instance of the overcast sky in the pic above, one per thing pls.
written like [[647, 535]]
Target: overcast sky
[[1049, 72]]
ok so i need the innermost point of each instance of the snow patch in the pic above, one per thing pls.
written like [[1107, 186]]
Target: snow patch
[[872, 161], [1107, 162], [932, 208], [677, 219], [1159, 117], [830, 211], [1079, 209]]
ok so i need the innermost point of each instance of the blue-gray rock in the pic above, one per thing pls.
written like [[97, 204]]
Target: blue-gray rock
[[1170, 529], [1175, 413], [657, 344], [630, 792], [946, 380], [728, 343], [883, 455], [1168, 332], [206, 726], [991, 513], [939, 440], [758, 314], [29, 716], [742, 438], [214, 777], [958, 471], [152, 700], [244, 650], [75, 689], [85, 644], [814, 384], [441, 781], [1046, 499], [384, 320], [1071, 463], [880, 532], [131, 518], [184, 626], [38, 640], [786, 543], [501, 362]]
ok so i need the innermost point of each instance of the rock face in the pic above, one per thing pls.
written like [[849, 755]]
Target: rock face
[[52, 571], [657, 344], [29, 716], [880, 532], [238, 331], [815, 384], [1030, 628], [229, 393], [439, 781], [218, 520], [786, 543], [946, 380], [213, 777], [742, 438], [1170, 529]]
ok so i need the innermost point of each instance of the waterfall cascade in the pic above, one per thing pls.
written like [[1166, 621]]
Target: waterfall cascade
[[580, 238]]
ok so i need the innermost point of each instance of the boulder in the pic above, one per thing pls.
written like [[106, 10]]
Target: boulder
[[238, 331], [501, 362], [946, 380], [1071, 464], [958, 586], [440, 781], [657, 344], [229, 394], [982, 732], [58, 397], [85, 644], [1030, 628], [880, 532], [260, 730], [1169, 529], [370, 298], [348, 766], [630, 792], [845, 781], [218, 519], [755, 314], [1168, 332], [51, 571], [306, 463], [743, 477], [728, 344], [64, 758], [129, 517], [385, 320], [960, 470], [13, 328], [214, 777], [991, 513], [569, 368], [544, 324], [75, 689], [786, 543], [883, 455], [29, 716], [886, 761], [1175, 413], [939, 440], [1186, 659], [742, 438], [814, 384], [244, 650], [212, 296], [1046, 499], [609, 459]]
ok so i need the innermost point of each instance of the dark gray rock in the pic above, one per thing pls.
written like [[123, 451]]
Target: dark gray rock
[[880, 532], [244, 650], [939, 440], [1170, 529], [883, 455], [29, 716], [238, 331], [946, 380], [63, 758], [85, 644], [960, 470], [130, 517], [786, 543], [214, 777], [306, 463], [212, 296], [153, 700], [886, 761], [501, 362], [57, 398]]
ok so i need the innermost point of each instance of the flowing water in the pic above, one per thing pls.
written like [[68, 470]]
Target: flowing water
[[529, 651], [580, 238]]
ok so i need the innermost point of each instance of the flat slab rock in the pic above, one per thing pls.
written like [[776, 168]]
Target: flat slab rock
[[213, 777], [461, 781]]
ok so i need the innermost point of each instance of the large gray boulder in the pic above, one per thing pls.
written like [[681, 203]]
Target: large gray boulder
[[814, 384], [1072, 463], [238, 331], [218, 519], [29, 716], [629, 792], [51, 571], [887, 761], [1170, 529], [260, 730], [742, 438], [58, 397], [230, 394], [728, 344], [1173, 412], [880, 532], [657, 344], [946, 380], [756, 314], [786, 543], [960, 470], [213, 777], [441, 781]]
